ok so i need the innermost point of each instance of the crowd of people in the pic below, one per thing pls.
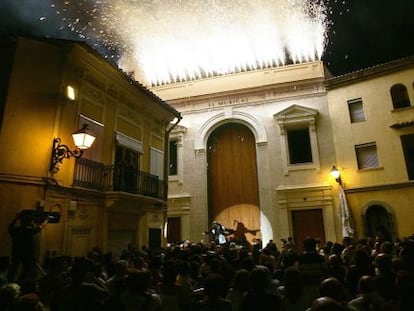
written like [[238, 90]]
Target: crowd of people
[[365, 274]]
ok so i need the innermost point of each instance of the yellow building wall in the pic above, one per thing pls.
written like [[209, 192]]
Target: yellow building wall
[[36, 112], [388, 184], [377, 103]]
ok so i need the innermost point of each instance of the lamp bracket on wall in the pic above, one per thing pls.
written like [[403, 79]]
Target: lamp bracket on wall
[[60, 152]]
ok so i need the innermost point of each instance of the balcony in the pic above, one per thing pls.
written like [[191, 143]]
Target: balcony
[[97, 176]]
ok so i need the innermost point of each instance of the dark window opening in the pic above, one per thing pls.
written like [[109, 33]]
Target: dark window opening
[[126, 169], [300, 150], [399, 96], [378, 222], [172, 167], [407, 142]]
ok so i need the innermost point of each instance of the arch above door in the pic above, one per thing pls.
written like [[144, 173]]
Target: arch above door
[[378, 218], [227, 115]]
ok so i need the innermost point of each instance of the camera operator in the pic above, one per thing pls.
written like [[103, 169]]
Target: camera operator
[[23, 245]]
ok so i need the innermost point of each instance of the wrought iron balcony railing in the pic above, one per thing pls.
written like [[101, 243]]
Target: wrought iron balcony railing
[[94, 175]]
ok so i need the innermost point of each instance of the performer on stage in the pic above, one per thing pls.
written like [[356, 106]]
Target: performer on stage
[[217, 232]]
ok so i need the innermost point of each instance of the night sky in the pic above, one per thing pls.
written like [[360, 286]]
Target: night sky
[[361, 33], [368, 32]]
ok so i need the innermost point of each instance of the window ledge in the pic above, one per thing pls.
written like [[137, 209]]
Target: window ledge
[[370, 169], [397, 110], [172, 177], [300, 167]]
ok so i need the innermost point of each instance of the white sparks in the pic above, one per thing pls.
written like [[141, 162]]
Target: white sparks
[[177, 40]]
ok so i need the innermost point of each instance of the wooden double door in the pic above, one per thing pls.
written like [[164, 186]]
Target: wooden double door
[[232, 180], [307, 223]]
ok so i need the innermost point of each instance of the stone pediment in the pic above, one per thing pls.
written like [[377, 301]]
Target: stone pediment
[[295, 113]]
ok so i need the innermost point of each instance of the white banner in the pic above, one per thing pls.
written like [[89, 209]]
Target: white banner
[[347, 230]]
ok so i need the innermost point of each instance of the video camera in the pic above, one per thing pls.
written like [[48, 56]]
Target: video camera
[[39, 216]]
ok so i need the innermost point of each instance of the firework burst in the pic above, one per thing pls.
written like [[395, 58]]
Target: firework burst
[[167, 41]]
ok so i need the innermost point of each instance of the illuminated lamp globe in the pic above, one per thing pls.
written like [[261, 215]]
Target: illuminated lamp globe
[[335, 173], [83, 138]]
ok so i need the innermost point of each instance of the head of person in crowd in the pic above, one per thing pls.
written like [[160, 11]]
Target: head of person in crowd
[[383, 263], [309, 244], [331, 287], [139, 281], [80, 270], [240, 281], [366, 284], [387, 247], [260, 279], [325, 304], [9, 295], [215, 286]]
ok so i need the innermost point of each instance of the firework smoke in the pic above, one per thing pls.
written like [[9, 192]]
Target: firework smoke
[[166, 41]]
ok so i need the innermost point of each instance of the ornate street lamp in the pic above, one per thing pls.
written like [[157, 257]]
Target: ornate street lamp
[[83, 140], [335, 173]]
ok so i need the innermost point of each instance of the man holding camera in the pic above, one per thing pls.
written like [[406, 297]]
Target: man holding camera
[[23, 245]]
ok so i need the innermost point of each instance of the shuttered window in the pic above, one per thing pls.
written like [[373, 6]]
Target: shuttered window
[[356, 110], [97, 129], [367, 156], [157, 163]]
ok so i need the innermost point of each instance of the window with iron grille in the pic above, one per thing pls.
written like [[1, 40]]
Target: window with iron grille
[[356, 110], [367, 156]]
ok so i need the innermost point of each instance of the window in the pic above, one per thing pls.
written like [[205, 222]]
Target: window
[[157, 157], [407, 142], [126, 175], [93, 153], [399, 96], [356, 110], [367, 156], [378, 222], [299, 146], [298, 138], [128, 152], [172, 167], [176, 154]]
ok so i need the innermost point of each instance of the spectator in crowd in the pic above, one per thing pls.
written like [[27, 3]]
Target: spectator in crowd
[[117, 284], [385, 277], [368, 296], [9, 295], [214, 291], [239, 287], [259, 297], [361, 264], [312, 267], [139, 295], [81, 294], [23, 245], [325, 304], [4, 268], [292, 292], [332, 288]]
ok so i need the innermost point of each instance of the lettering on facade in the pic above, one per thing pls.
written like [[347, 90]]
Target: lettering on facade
[[226, 102]]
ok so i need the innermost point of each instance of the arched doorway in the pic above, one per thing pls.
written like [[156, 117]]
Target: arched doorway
[[233, 194], [378, 222]]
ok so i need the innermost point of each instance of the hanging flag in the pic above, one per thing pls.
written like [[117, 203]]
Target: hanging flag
[[347, 226]]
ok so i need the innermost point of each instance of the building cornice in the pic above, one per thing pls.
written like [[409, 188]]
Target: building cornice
[[379, 187], [370, 72]]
